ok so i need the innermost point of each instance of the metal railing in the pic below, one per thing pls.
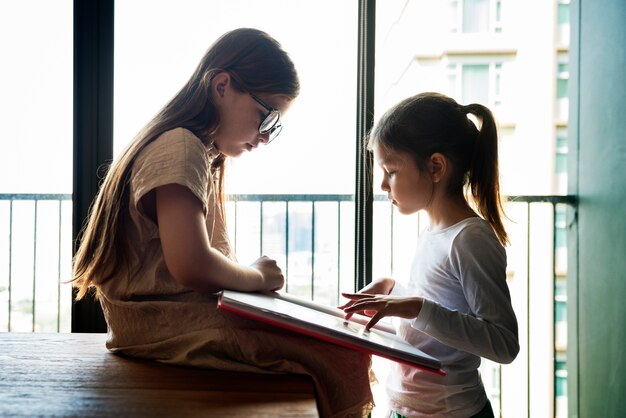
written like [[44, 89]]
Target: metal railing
[[33, 259], [312, 237]]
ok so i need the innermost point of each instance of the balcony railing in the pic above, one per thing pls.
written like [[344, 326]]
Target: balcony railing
[[35, 257], [312, 238]]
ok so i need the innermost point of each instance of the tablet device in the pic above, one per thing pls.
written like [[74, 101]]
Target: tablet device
[[328, 324]]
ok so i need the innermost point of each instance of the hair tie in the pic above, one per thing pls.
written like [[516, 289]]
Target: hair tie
[[469, 109], [472, 122]]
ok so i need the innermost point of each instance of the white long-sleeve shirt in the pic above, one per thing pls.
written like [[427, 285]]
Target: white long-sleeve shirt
[[460, 272]]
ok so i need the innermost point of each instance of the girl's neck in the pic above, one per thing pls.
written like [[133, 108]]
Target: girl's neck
[[449, 211]]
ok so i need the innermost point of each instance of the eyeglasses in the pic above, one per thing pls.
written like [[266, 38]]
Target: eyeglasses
[[271, 121]]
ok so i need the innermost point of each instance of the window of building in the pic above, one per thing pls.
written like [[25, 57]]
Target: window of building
[[36, 108], [562, 82], [476, 83], [475, 16], [561, 160], [563, 22]]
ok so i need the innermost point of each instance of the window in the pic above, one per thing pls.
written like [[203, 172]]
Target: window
[[561, 160], [36, 110], [563, 21], [476, 83], [475, 16], [562, 81], [292, 191], [561, 386], [469, 68], [563, 15], [308, 224]]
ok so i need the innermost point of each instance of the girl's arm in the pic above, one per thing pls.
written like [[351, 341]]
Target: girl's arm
[[490, 329], [188, 253], [494, 339]]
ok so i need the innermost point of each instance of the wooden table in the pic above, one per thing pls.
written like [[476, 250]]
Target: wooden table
[[73, 375]]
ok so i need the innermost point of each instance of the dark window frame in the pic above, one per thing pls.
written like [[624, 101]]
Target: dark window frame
[[93, 132]]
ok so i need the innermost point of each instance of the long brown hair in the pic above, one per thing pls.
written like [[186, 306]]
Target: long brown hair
[[257, 63], [432, 122]]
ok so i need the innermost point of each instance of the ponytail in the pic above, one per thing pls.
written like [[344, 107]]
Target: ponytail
[[484, 183]]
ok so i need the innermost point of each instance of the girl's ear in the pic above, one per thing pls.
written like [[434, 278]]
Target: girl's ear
[[437, 166], [219, 84]]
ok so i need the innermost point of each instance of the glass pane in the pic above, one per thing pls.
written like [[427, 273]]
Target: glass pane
[[561, 88], [563, 15], [475, 15], [309, 161], [475, 84], [453, 15], [36, 110], [415, 53]]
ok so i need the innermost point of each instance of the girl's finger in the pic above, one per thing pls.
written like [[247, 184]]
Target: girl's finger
[[347, 304], [379, 315], [361, 306], [356, 296]]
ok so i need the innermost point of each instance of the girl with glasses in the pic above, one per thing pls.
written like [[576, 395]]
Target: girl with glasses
[[155, 248], [455, 304]]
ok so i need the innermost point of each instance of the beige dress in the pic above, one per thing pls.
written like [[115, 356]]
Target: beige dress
[[151, 316]]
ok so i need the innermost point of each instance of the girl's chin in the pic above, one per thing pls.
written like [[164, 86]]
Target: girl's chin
[[404, 211], [233, 152], [233, 149]]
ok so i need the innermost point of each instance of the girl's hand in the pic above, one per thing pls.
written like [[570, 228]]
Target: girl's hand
[[272, 277], [379, 287], [383, 305]]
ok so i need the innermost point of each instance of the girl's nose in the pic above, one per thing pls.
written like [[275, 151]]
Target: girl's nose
[[384, 186]]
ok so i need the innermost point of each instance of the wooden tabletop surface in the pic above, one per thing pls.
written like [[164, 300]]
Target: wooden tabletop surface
[[73, 375]]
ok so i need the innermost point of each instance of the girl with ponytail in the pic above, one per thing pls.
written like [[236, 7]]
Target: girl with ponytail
[[456, 304]]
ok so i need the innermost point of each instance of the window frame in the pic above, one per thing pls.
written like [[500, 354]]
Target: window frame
[[93, 128], [93, 132]]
